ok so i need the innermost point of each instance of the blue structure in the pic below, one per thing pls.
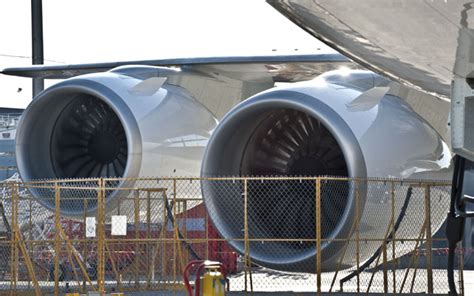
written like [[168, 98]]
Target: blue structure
[[8, 121]]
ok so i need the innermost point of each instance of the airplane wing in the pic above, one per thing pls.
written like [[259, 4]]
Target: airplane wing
[[225, 80], [411, 41], [282, 68]]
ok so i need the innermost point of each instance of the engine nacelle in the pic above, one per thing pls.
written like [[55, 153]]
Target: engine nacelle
[[129, 122], [123, 123], [335, 125]]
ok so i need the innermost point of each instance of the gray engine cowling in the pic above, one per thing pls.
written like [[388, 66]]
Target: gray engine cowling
[[339, 124], [125, 123]]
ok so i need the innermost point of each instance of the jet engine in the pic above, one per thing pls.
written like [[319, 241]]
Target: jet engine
[[342, 124], [131, 122], [127, 122]]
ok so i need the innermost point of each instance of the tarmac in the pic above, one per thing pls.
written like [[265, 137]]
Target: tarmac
[[291, 285]]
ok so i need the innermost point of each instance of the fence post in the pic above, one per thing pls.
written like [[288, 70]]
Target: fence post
[[14, 248], [30, 222], [461, 269], [85, 242], [57, 237], [136, 212], [206, 223], [318, 234], [175, 241], [429, 242], [385, 275], [246, 240], [148, 251], [245, 235], [357, 232], [163, 237], [394, 262], [101, 238]]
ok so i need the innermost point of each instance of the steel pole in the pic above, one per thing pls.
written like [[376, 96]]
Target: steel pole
[[37, 41]]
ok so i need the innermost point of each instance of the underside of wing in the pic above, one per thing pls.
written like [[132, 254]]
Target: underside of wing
[[413, 42]]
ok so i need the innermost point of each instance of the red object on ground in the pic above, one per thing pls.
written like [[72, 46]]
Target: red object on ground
[[192, 224]]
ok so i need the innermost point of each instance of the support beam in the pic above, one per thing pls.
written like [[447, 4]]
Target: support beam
[[37, 41]]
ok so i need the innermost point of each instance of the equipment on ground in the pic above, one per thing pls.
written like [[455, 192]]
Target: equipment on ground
[[210, 278]]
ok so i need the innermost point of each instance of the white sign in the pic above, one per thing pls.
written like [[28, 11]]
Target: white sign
[[119, 225], [90, 226]]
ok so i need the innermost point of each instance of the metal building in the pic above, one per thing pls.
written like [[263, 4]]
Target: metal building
[[8, 121]]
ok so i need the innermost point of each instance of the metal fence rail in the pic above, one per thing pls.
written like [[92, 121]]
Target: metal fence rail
[[387, 248]]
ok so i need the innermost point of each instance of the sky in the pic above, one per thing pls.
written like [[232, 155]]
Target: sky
[[85, 31]]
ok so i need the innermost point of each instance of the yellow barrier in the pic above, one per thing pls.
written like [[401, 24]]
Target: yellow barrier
[[167, 225]]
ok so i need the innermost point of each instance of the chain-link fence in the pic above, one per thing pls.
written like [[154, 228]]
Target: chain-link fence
[[271, 234]]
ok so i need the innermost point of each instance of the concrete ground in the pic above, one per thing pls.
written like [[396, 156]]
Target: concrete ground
[[276, 283]]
